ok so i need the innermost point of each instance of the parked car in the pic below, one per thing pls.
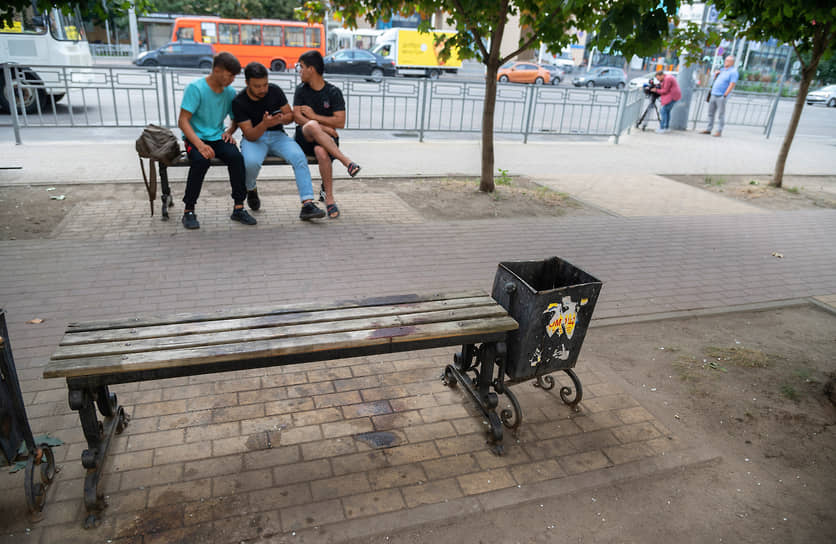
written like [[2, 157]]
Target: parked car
[[825, 95], [359, 62], [523, 72], [604, 76], [180, 54], [556, 73]]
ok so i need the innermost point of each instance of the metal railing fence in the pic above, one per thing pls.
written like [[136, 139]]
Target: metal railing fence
[[111, 50], [111, 96]]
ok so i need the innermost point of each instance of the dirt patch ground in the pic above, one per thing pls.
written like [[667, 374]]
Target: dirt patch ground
[[30, 212], [797, 193], [749, 385]]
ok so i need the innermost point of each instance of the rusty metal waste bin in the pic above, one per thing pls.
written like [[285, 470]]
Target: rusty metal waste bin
[[552, 300], [17, 444]]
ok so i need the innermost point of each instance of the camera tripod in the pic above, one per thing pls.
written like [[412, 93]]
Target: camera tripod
[[643, 119]]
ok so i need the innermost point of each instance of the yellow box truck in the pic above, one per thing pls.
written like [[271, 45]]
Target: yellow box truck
[[415, 53]]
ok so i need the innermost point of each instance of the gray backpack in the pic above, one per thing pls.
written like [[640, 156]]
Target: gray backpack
[[157, 144]]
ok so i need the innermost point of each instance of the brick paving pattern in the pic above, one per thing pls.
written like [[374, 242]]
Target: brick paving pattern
[[243, 455]]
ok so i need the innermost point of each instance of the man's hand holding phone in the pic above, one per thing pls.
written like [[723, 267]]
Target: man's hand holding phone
[[272, 118]]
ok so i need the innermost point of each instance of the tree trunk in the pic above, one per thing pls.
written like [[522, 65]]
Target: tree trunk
[[486, 180], [806, 79], [820, 45]]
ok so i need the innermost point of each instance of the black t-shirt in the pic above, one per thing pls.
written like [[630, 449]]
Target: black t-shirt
[[323, 102], [245, 108]]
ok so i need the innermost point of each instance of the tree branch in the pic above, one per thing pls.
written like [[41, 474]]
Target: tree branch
[[798, 56], [522, 48], [474, 32]]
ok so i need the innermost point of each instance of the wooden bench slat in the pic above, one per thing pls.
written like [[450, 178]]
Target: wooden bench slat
[[270, 160], [178, 329], [262, 310], [267, 333], [114, 364]]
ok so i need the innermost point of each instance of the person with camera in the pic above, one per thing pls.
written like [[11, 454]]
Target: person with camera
[[261, 110], [668, 90]]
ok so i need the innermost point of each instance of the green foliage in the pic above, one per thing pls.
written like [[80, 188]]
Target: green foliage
[[94, 8], [628, 26], [789, 392], [241, 9], [800, 22], [504, 178]]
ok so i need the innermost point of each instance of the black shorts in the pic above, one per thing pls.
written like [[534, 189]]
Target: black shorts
[[308, 147]]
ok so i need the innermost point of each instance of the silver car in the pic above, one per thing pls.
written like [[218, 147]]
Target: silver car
[[605, 76], [825, 95]]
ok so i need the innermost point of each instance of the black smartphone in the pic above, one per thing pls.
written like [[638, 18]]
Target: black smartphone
[[276, 112]]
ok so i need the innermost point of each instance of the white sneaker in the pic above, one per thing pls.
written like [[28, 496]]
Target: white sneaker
[[660, 131]]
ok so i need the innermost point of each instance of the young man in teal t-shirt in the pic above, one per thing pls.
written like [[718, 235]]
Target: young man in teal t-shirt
[[206, 104]]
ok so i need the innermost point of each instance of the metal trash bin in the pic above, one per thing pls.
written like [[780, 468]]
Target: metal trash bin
[[15, 431], [552, 301]]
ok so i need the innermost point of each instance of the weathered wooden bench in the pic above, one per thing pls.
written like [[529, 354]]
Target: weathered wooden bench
[[94, 355], [183, 161]]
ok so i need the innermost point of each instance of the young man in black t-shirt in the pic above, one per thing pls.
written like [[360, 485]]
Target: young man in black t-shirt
[[260, 110], [319, 110]]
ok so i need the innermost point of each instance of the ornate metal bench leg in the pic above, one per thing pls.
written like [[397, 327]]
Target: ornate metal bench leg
[[98, 435], [479, 387]]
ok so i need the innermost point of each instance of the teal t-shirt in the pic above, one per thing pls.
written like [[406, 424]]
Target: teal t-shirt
[[208, 108]]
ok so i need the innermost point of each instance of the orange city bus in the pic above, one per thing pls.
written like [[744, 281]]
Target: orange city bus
[[271, 42]]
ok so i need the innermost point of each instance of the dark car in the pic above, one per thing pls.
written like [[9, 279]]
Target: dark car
[[359, 62], [604, 76], [179, 54]]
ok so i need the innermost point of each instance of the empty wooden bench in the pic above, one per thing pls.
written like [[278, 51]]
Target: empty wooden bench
[[183, 161], [94, 355]]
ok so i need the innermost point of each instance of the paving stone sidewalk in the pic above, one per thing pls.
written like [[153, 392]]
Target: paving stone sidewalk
[[241, 456]]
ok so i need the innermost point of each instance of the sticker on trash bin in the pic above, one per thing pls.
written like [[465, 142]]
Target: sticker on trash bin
[[564, 316]]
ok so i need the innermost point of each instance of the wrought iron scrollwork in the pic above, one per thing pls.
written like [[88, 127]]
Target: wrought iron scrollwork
[[566, 392]]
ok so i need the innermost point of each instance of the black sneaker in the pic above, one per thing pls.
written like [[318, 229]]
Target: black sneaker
[[190, 221], [322, 193], [253, 201], [311, 211], [241, 215]]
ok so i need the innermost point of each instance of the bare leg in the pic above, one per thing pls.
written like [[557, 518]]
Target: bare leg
[[313, 133], [325, 172]]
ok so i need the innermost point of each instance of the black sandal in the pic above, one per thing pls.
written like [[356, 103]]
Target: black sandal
[[333, 209], [353, 169]]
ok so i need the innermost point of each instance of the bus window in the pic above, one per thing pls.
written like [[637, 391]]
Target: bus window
[[312, 38], [27, 24], [294, 36], [64, 27], [228, 33], [251, 34], [209, 32], [185, 34], [272, 35]]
